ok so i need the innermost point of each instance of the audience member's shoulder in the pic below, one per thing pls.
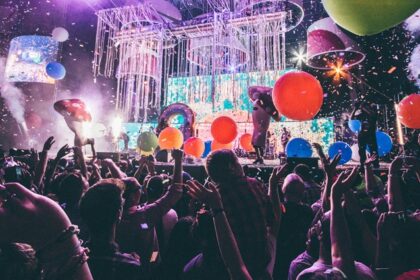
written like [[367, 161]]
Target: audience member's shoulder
[[364, 272], [315, 268], [253, 181], [127, 259]]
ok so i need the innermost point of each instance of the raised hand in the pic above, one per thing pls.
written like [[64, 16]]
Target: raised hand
[[277, 174], [65, 150], [330, 165], [48, 143], [343, 183], [317, 147], [209, 196], [386, 225], [371, 159], [177, 154]]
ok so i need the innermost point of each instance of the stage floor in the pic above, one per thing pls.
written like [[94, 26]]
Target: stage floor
[[271, 163], [259, 171]]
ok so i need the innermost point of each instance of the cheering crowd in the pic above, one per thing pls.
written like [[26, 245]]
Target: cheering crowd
[[73, 218]]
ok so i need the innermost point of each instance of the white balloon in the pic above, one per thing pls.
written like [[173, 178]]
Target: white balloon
[[355, 153], [60, 34]]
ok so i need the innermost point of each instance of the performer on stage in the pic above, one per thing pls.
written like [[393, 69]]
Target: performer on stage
[[75, 114], [124, 136], [285, 137], [262, 111], [367, 115]]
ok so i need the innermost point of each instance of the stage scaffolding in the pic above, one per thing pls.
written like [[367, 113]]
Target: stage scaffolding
[[143, 48]]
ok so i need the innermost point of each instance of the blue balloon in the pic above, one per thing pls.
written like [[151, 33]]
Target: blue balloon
[[343, 148], [56, 70], [355, 125], [207, 149], [298, 147], [384, 142]]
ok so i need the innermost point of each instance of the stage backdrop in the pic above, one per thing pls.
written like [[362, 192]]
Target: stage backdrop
[[318, 130]]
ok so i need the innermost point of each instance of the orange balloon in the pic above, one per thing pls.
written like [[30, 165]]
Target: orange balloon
[[218, 146], [194, 146], [224, 130], [409, 111], [246, 142], [170, 138], [298, 95]]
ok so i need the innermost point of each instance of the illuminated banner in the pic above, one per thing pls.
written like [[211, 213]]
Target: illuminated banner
[[28, 57]]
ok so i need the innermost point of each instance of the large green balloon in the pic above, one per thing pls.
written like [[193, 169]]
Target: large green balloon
[[147, 142], [368, 17]]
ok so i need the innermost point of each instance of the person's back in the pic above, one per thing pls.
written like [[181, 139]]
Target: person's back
[[100, 209], [135, 234], [247, 208], [296, 220], [208, 264], [363, 272], [291, 240], [106, 262]]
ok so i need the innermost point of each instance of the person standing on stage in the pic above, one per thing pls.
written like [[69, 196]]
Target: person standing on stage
[[263, 110], [284, 138], [367, 115]]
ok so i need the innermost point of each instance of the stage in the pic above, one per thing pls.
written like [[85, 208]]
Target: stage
[[262, 171]]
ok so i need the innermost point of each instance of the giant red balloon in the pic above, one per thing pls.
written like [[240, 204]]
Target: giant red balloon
[[246, 142], [170, 138], [194, 146], [298, 95], [33, 120], [224, 130], [218, 146], [409, 111]]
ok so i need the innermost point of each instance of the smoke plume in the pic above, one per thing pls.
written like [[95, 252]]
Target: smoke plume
[[412, 24], [414, 65], [13, 96]]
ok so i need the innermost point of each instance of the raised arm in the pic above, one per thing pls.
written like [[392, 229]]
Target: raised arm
[[225, 239], [26, 217], [80, 158], [370, 182], [113, 168], [142, 164], [160, 207], [65, 150], [273, 193], [42, 164], [395, 199], [329, 168], [341, 252], [355, 216]]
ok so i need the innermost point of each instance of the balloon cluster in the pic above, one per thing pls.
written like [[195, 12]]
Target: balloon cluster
[[55, 69]]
